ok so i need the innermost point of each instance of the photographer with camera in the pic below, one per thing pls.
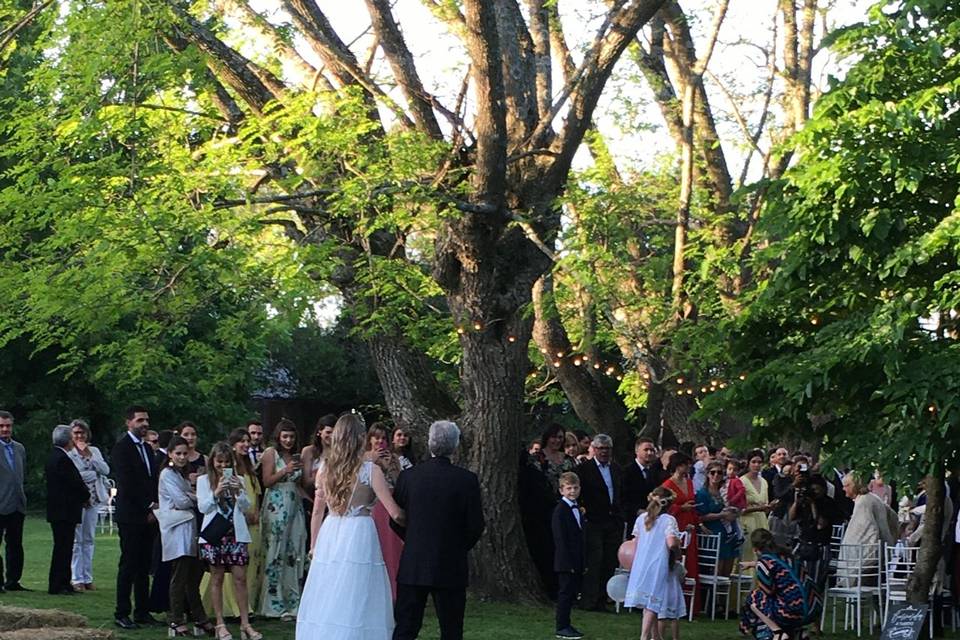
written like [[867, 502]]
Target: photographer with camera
[[814, 513]]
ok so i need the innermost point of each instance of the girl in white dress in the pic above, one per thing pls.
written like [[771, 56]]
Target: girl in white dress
[[653, 584], [347, 595]]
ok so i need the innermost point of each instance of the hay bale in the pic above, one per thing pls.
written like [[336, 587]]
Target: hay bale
[[58, 633], [13, 618]]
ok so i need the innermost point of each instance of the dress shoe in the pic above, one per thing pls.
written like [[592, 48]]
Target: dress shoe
[[63, 591], [146, 618], [16, 586], [569, 633], [125, 622], [89, 587]]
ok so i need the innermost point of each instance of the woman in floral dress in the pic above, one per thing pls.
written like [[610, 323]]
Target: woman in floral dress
[[282, 525]]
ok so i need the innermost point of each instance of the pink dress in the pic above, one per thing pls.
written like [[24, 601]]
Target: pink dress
[[390, 545]]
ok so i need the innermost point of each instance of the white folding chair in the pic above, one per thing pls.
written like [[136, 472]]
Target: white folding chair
[[836, 539], [689, 584], [708, 559], [899, 563], [856, 581], [105, 511]]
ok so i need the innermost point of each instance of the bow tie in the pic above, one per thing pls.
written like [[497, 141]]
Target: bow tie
[[573, 506]]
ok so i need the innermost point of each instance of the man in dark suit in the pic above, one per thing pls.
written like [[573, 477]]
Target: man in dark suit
[[568, 553], [67, 494], [135, 471], [778, 457], [600, 497], [444, 520], [640, 477]]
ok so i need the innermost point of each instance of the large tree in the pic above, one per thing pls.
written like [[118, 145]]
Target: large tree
[[852, 341], [418, 200]]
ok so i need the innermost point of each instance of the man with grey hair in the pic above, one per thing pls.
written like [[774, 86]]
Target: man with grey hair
[[67, 494], [13, 503], [444, 520], [603, 532]]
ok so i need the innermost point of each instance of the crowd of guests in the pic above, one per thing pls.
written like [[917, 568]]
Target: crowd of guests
[[227, 533], [772, 511], [223, 533]]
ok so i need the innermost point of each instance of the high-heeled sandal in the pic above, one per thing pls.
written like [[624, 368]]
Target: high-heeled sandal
[[205, 628], [177, 630], [222, 633], [249, 633]]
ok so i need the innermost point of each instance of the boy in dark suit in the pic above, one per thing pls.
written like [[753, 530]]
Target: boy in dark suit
[[568, 556]]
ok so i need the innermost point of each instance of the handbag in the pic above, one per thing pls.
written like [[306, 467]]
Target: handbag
[[216, 529]]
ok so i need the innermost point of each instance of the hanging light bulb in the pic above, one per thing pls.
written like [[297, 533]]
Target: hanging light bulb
[[576, 362], [477, 326], [460, 330], [679, 380], [511, 338]]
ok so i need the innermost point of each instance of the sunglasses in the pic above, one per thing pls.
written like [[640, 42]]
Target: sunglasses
[[715, 473]]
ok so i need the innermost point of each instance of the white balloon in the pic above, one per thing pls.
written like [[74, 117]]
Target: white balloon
[[617, 587]]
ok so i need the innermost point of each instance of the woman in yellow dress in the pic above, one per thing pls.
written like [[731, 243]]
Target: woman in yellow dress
[[758, 503], [239, 441]]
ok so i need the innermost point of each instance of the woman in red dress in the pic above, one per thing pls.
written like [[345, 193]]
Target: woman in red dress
[[684, 509]]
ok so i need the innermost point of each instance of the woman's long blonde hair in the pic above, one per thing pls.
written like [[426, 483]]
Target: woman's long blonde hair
[[658, 501], [342, 462]]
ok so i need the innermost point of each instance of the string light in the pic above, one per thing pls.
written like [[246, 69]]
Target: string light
[[814, 320], [576, 362], [559, 354], [543, 351], [556, 364], [610, 370], [619, 377], [680, 392], [689, 392], [743, 376], [477, 326], [460, 330], [511, 338], [586, 358], [596, 365], [679, 380], [703, 389]]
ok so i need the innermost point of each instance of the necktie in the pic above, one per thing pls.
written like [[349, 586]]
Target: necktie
[[643, 472], [143, 454], [11, 458]]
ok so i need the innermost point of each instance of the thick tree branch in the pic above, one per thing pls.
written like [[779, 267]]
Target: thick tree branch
[[404, 68], [255, 85], [11, 32], [259, 25], [596, 69], [540, 33], [483, 44]]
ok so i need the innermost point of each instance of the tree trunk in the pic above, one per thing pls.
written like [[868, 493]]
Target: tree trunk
[[414, 397], [918, 586]]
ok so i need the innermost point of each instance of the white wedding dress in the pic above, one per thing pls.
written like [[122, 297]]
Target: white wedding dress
[[347, 595]]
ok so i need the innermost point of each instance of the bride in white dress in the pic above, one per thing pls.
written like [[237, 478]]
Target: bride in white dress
[[347, 595]]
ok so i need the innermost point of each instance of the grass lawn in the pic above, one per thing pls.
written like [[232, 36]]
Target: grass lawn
[[485, 620]]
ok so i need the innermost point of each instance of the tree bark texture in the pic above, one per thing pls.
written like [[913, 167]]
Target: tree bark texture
[[931, 544]]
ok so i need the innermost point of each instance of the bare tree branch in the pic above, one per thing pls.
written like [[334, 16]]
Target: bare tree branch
[[259, 25], [257, 86], [11, 32], [403, 66], [596, 69]]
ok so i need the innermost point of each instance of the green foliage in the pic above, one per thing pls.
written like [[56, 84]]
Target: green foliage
[[857, 324]]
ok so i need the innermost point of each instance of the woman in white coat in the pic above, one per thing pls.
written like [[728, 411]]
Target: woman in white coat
[[178, 540], [221, 491], [94, 471]]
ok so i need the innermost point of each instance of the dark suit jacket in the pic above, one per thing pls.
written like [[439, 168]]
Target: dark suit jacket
[[444, 521], [594, 496], [136, 488], [66, 491], [568, 541], [635, 489]]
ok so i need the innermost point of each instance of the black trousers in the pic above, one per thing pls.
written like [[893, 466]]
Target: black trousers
[[133, 574], [185, 576], [11, 531], [568, 587], [411, 602], [59, 578], [602, 541]]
